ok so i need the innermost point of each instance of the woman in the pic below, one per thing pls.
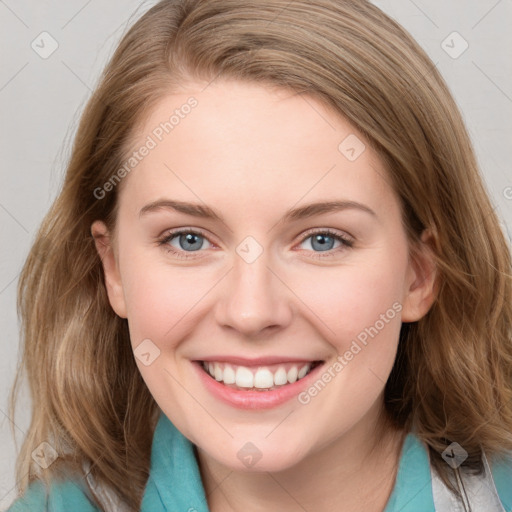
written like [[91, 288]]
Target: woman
[[338, 332]]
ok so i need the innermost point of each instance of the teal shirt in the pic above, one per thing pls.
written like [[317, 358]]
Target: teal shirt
[[175, 483]]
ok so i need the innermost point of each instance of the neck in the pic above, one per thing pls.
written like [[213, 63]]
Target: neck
[[357, 471]]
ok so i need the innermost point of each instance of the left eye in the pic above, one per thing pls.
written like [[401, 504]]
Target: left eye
[[323, 241]]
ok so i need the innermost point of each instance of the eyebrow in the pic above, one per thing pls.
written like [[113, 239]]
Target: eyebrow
[[303, 212]]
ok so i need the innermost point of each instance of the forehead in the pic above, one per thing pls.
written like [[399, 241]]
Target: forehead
[[252, 147]]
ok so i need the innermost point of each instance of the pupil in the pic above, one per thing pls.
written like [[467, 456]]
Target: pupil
[[321, 239], [189, 238]]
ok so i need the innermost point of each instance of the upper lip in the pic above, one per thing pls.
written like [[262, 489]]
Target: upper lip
[[257, 361]]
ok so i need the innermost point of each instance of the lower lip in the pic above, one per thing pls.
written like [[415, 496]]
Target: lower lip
[[255, 399]]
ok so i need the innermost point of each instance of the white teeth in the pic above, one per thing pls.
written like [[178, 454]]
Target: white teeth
[[292, 374], [229, 375], [260, 378], [280, 377], [244, 377], [304, 370], [263, 379]]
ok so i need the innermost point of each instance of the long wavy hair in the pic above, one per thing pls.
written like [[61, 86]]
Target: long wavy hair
[[452, 378]]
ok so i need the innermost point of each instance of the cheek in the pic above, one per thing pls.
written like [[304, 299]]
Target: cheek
[[162, 307], [159, 302], [158, 296], [349, 300]]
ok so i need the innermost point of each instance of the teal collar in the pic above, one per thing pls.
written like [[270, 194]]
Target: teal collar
[[413, 485], [174, 482]]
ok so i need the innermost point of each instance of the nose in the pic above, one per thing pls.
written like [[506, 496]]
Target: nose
[[254, 300]]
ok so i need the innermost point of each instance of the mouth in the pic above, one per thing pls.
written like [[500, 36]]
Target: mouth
[[262, 378], [256, 384]]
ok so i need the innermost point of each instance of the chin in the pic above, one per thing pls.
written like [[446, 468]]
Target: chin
[[254, 457]]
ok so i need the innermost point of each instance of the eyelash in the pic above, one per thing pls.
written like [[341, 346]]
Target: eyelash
[[346, 242]]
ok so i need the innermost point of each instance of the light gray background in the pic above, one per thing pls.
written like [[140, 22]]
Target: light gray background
[[41, 99]]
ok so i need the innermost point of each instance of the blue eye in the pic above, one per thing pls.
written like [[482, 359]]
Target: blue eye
[[184, 241], [187, 240], [322, 241]]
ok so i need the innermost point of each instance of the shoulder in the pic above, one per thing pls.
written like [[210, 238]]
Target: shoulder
[[61, 497]]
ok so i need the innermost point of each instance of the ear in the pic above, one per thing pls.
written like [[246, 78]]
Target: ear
[[421, 283], [104, 246]]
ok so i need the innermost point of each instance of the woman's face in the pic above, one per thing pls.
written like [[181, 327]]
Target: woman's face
[[265, 281]]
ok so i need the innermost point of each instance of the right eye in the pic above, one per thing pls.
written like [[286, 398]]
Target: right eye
[[182, 241]]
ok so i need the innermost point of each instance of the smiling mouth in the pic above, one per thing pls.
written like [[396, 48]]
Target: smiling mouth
[[260, 378]]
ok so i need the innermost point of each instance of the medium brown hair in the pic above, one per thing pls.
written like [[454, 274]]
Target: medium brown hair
[[452, 376]]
